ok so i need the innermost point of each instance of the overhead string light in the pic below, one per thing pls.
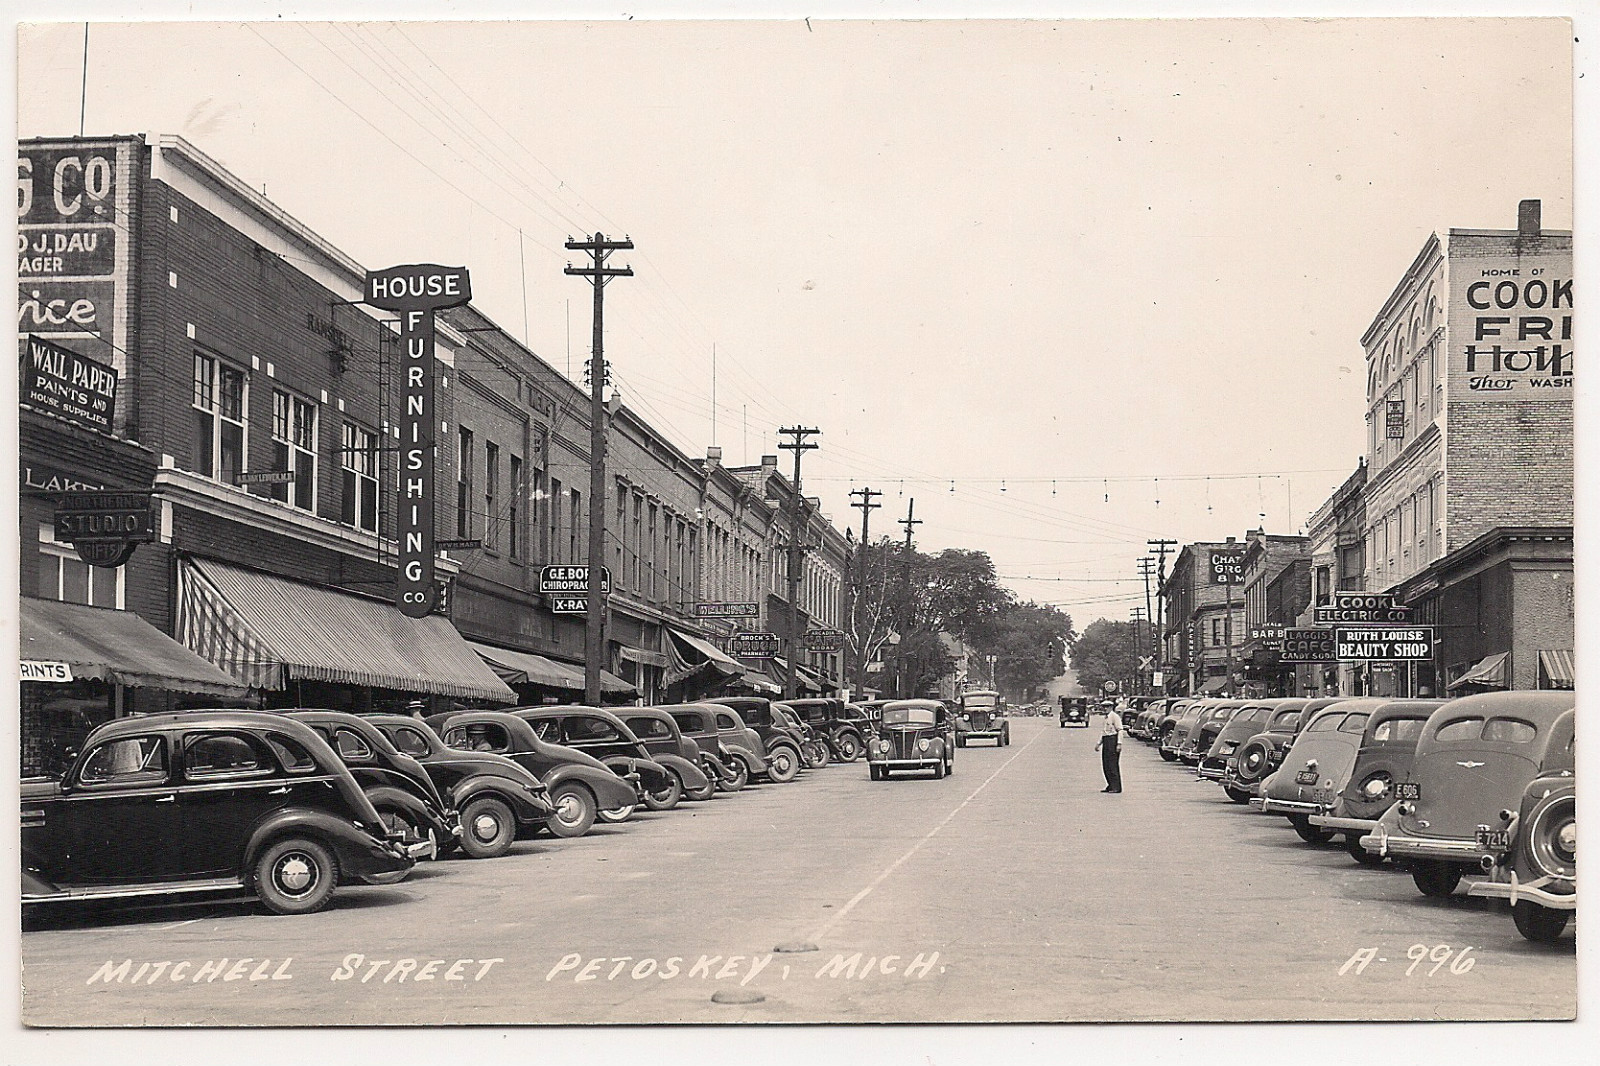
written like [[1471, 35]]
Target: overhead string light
[[1208, 495], [1002, 484], [1261, 503], [1158, 492], [952, 488], [1105, 486], [1052, 487]]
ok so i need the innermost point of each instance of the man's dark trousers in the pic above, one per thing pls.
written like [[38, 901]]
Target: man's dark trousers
[[1111, 763]]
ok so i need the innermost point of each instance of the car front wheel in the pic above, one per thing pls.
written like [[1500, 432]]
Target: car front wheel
[[849, 747], [667, 796], [295, 876], [1352, 844], [574, 810], [1238, 795], [1542, 925], [1434, 878], [487, 828], [739, 777]]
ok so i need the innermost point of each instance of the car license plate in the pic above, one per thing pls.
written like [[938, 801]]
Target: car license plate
[[1322, 797], [1306, 777], [1408, 790], [1493, 839]]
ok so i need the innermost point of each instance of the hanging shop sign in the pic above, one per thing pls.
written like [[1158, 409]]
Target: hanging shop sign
[[1308, 646], [416, 292], [571, 579], [569, 604], [1363, 608], [1268, 633], [754, 645], [1394, 420], [68, 385], [824, 640], [105, 527], [727, 610], [1227, 566], [1387, 643]]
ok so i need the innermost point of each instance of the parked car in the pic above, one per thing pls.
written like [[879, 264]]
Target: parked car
[[1173, 713], [1074, 711], [1538, 872], [580, 785], [1143, 725], [981, 718], [1249, 720], [1475, 758], [399, 787], [1388, 747], [843, 727], [1259, 756], [779, 744], [727, 748], [915, 735], [667, 745], [1205, 729], [498, 800], [1172, 739], [204, 801], [814, 750], [1324, 751], [598, 732]]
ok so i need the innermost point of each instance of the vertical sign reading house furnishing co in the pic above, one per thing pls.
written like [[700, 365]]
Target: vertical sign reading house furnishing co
[[415, 292]]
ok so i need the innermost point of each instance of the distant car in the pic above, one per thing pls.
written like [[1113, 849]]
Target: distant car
[[1074, 711], [1324, 751], [981, 718], [1249, 720], [1171, 715], [1538, 872], [203, 801], [580, 785], [780, 743], [1144, 723], [843, 726], [1475, 759], [730, 752], [498, 800], [914, 735], [1172, 740], [1388, 748], [1205, 730]]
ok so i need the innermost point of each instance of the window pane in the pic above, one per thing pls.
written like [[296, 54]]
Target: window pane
[[347, 498], [222, 753], [1509, 730], [103, 586], [74, 581], [280, 461], [137, 758], [202, 382], [49, 576], [232, 457], [204, 444], [369, 504], [230, 389], [291, 753], [1460, 729]]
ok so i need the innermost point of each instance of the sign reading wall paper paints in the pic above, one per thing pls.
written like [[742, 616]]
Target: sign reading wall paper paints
[[61, 381], [415, 292]]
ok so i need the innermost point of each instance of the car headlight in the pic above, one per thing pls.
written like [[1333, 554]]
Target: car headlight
[[883, 747], [1377, 786], [1229, 747], [924, 744]]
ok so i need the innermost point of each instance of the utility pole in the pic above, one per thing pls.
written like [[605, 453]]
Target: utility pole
[[1161, 547], [911, 522], [866, 506], [598, 274], [1147, 570], [797, 550], [1138, 616]]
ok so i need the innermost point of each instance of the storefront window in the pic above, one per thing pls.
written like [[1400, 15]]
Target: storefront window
[[65, 577]]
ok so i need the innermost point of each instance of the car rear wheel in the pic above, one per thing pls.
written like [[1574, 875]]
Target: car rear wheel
[[295, 875], [1311, 834], [783, 764], [667, 796], [813, 754], [706, 791], [1542, 925], [574, 810], [1169, 756], [737, 779], [1352, 844], [1238, 795], [1434, 878], [488, 828], [848, 746], [619, 814]]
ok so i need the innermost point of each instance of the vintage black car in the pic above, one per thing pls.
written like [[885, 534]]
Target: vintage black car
[[398, 785], [199, 802], [1249, 720], [497, 799], [580, 785], [600, 733], [667, 745], [843, 726], [1144, 724], [982, 717], [814, 750], [1074, 711], [914, 735], [780, 744], [1206, 729], [1173, 739], [1538, 873], [1475, 759], [727, 748], [1388, 747]]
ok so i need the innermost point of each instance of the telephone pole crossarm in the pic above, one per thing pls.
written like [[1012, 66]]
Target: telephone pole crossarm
[[796, 550]]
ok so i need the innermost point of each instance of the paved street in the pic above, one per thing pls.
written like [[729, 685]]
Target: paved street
[[954, 900]]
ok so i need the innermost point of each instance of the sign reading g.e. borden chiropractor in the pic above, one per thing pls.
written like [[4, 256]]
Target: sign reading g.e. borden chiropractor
[[415, 292]]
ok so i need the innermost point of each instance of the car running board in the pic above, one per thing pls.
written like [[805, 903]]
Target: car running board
[[166, 888]]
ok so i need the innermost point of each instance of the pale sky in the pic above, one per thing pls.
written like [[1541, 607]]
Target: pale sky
[[1069, 258]]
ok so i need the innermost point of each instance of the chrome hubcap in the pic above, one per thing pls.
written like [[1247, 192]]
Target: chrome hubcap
[[486, 827], [296, 873], [568, 809]]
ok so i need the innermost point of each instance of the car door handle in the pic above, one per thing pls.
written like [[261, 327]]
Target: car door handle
[[279, 791], [173, 798]]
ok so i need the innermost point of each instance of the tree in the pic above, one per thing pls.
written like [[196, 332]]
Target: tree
[[1030, 642], [1106, 651]]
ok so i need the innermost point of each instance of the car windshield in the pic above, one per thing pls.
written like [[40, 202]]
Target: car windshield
[[1286, 721], [908, 716]]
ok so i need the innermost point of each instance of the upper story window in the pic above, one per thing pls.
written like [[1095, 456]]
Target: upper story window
[[464, 484], [221, 408], [491, 495], [294, 448], [65, 577], [358, 461], [514, 507]]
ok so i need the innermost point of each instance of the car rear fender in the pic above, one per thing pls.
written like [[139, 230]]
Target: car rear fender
[[419, 811], [346, 838], [688, 773], [609, 790], [508, 790]]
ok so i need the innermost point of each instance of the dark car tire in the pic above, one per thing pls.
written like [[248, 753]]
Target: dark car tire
[[1238, 795], [1352, 844], [620, 814], [704, 792], [813, 755], [666, 797], [1542, 925], [1311, 834], [741, 777], [1169, 756], [875, 772], [783, 764], [575, 810], [848, 745], [1434, 878], [488, 828], [938, 771], [961, 742], [295, 875]]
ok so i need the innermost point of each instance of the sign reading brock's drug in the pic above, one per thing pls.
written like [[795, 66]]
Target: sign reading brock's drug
[[416, 292]]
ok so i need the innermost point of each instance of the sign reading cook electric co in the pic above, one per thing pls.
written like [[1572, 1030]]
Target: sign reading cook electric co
[[415, 292]]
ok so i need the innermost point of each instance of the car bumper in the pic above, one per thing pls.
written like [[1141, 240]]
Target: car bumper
[[1349, 825], [1467, 852], [908, 764], [1211, 773], [982, 734], [1533, 891], [1269, 805]]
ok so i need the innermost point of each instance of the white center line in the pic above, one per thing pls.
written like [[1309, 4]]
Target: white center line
[[892, 867]]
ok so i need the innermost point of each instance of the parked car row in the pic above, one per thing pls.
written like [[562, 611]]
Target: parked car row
[[289, 804], [1479, 788]]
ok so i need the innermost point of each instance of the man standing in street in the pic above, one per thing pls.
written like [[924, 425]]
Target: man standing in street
[[1110, 748]]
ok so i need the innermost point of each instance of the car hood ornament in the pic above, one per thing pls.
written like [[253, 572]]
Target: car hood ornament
[[1469, 764]]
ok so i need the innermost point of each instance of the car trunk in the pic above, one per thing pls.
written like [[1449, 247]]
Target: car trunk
[[1456, 799]]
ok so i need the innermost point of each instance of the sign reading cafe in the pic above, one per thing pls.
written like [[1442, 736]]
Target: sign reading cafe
[[415, 292]]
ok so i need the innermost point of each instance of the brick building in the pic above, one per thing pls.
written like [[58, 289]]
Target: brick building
[[1277, 585], [1205, 620], [1336, 540]]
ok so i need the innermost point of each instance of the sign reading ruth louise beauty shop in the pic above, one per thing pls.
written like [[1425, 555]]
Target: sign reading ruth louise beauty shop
[[415, 292]]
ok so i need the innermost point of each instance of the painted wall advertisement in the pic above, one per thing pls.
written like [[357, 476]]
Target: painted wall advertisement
[[74, 215], [1227, 566], [1511, 327], [61, 381]]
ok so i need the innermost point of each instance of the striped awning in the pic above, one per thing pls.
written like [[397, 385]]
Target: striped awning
[[1490, 672], [116, 646], [691, 654], [1557, 669], [267, 631], [526, 668]]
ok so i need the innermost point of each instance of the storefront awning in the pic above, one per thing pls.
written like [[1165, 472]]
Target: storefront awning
[[805, 680], [1490, 672], [115, 646], [692, 654], [1213, 685], [268, 630], [1557, 669], [526, 668]]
